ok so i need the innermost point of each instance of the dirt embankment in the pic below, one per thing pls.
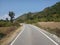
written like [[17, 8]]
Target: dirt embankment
[[52, 27], [10, 33]]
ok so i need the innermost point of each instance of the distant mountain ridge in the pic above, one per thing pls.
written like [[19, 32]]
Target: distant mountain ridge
[[48, 14]]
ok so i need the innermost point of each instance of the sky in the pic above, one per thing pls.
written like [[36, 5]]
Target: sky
[[20, 7]]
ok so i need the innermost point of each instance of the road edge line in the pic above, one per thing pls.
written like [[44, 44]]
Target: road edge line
[[17, 36], [50, 38], [45, 35]]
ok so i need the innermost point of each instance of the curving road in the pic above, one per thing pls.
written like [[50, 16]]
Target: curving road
[[31, 35]]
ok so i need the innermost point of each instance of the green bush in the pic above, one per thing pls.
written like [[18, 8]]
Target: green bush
[[6, 24]]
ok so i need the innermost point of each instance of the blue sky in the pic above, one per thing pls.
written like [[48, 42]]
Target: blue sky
[[20, 7]]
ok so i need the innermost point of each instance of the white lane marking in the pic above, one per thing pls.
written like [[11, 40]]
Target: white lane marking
[[49, 38], [17, 36], [46, 35]]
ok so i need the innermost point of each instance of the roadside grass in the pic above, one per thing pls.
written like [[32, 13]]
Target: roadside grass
[[52, 30], [7, 34], [7, 29], [4, 31], [55, 31], [10, 33]]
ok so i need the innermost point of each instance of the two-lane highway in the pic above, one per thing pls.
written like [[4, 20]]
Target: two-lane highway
[[31, 35]]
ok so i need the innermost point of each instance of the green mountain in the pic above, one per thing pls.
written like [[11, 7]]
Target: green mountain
[[48, 14]]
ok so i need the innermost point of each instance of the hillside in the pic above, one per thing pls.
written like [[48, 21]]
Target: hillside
[[47, 15]]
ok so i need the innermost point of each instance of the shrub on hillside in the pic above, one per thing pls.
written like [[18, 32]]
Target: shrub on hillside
[[5, 24]]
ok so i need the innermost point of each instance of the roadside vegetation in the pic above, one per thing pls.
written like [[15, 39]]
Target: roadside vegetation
[[7, 26], [49, 14], [52, 27]]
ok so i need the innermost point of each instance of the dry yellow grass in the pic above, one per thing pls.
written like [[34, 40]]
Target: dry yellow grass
[[6, 30], [51, 25], [10, 32]]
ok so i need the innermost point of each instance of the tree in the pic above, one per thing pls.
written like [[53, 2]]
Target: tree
[[11, 14]]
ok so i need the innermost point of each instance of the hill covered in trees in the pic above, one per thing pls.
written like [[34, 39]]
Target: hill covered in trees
[[48, 14]]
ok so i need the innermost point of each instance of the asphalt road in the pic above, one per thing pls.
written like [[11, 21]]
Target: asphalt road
[[31, 35]]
